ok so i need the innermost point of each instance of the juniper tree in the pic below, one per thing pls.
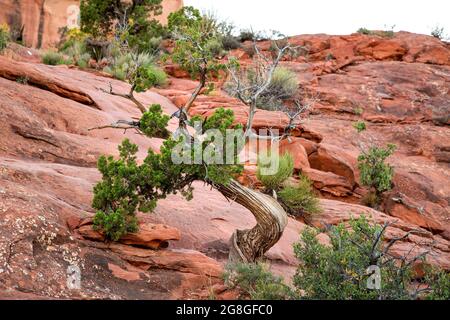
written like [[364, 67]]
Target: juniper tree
[[128, 187], [100, 17]]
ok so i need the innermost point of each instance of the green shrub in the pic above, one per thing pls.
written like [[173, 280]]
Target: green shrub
[[340, 271], [374, 172], [257, 282], [53, 58], [360, 126], [284, 85], [284, 170], [230, 42], [99, 18], [138, 69], [301, 199], [438, 282], [153, 122], [438, 33], [247, 35], [364, 31], [4, 36], [186, 17], [115, 224]]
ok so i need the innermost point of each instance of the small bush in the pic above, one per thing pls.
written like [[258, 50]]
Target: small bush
[[438, 33], [4, 36], [364, 31], [247, 35], [139, 69], [115, 224], [153, 122], [257, 282], [340, 271], [360, 126], [283, 172], [53, 58], [230, 42], [438, 282], [284, 85], [375, 173], [301, 199]]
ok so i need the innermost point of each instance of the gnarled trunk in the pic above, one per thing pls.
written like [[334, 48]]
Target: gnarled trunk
[[271, 220]]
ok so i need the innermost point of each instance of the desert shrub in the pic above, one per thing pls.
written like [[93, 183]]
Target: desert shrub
[[53, 58], [186, 17], [375, 173], [75, 49], [438, 33], [284, 170], [230, 42], [340, 271], [364, 31], [115, 224], [153, 122], [257, 282], [101, 18], [198, 47], [360, 126], [4, 36], [138, 69], [382, 33], [283, 86], [22, 80], [300, 199], [247, 35], [438, 282]]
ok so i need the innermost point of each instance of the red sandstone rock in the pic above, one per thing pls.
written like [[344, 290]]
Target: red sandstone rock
[[153, 236], [298, 152], [48, 158]]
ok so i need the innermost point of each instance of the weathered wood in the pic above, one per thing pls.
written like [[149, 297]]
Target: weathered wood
[[271, 220]]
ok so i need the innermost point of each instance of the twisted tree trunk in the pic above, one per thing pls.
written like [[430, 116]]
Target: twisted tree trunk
[[271, 220]]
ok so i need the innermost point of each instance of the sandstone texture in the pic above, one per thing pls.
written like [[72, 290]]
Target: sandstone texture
[[400, 86]]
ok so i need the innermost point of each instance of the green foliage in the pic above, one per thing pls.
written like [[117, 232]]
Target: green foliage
[[360, 126], [54, 58], [74, 47], [247, 35], [230, 42], [4, 36], [257, 282], [115, 224], [99, 18], [283, 86], [339, 271], [438, 33], [127, 187], [375, 173], [198, 44], [138, 69], [153, 123], [382, 33], [364, 31], [185, 18], [300, 199], [284, 170], [438, 282]]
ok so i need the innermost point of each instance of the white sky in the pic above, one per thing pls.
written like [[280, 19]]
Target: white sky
[[293, 17]]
